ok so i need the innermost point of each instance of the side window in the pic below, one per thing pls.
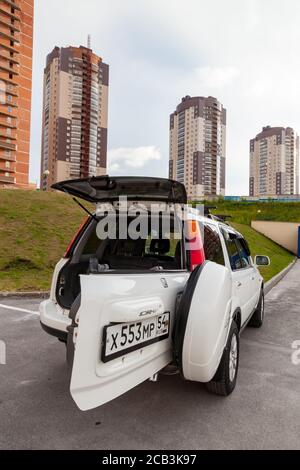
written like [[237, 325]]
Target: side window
[[243, 253], [238, 253], [212, 245], [233, 253]]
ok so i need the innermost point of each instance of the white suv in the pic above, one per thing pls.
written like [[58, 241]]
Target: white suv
[[127, 307]]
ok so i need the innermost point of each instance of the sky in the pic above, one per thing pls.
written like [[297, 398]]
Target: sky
[[243, 52]]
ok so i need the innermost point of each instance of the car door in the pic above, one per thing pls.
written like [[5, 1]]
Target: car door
[[242, 274], [255, 281], [122, 333], [135, 188]]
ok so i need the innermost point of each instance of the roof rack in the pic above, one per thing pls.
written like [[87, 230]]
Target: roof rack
[[207, 210], [223, 217], [218, 217]]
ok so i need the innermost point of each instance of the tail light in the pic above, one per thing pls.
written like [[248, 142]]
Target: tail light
[[195, 244], [76, 237]]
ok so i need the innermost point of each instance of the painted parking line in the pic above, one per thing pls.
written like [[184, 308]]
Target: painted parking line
[[16, 309]]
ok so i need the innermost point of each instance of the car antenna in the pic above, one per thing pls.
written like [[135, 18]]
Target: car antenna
[[85, 209]]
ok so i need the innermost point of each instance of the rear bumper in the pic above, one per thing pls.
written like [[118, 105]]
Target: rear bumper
[[53, 321], [61, 335]]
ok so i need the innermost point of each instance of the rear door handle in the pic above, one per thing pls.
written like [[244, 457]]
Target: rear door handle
[[239, 284]]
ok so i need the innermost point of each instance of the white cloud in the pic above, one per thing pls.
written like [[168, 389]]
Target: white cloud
[[124, 159], [215, 77], [114, 167], [245, 53]]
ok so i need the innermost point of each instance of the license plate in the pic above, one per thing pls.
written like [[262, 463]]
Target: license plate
[[121, 339]]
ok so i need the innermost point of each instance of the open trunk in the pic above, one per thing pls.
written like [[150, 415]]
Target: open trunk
[[157, 248], [157, 251]]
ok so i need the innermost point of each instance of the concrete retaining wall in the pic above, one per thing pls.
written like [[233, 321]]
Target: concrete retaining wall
[[283, 233]]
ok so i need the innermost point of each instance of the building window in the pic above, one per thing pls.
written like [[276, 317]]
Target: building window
[[7, 164]]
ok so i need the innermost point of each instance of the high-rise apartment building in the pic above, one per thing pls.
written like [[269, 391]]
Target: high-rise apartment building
[[198, 146], [274, 162], [16, 37], [75, 109]]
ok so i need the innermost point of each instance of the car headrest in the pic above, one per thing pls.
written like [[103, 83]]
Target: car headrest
[[130, 247], [160, 246]]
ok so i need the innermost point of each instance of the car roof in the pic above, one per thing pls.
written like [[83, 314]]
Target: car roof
[[194, 214]]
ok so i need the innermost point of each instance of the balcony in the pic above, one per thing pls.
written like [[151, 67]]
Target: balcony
[[8, 58], [11, 158], [8, 69], [8, 13], [9, 48], [6, 124], [7, 179], [7, 145], [13, 4], [3, 77], [3, 112], [7, 136], [9, 37], [9, 25], [12, 169], [12, 104]]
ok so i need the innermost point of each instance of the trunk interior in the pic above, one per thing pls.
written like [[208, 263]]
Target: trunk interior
[[157, 250]]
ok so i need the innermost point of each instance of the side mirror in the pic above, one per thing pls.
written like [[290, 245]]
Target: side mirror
[[262, 260]]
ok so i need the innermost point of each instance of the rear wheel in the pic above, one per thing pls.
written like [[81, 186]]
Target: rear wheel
[[224, 381], [257, 319]]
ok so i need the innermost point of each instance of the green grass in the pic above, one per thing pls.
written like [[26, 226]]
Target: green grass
[[260, 245], [36, 228], [244, 212]]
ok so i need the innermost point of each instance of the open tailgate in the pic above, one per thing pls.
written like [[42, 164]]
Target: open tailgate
[[105, 188]]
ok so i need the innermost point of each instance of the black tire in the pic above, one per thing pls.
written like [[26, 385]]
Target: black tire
[[258, 316], [224, 381]]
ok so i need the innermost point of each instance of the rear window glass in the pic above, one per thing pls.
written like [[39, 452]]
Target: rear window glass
[[158, 246]]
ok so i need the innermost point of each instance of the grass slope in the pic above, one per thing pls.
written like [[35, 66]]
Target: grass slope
[[36, 227], [260, 245], [244, 212]]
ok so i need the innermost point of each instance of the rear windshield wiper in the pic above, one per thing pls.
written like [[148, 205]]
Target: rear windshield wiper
[[85, 209]]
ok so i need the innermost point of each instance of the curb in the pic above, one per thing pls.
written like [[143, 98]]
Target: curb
[[24, 295], [275, 280]]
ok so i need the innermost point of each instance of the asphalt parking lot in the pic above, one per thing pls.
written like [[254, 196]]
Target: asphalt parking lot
[[37, 411]]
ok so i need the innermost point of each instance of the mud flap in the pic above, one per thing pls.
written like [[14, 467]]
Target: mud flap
[[202, 322]]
